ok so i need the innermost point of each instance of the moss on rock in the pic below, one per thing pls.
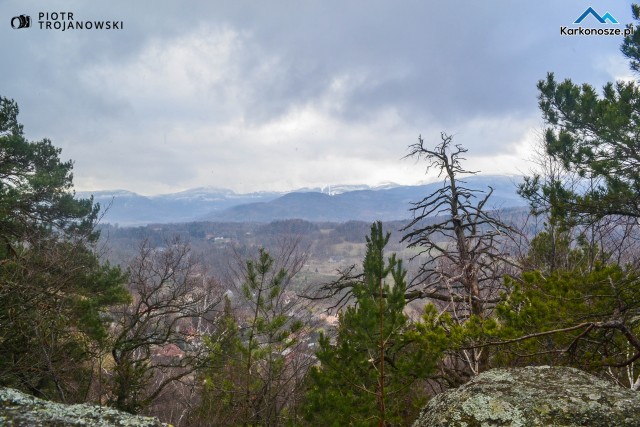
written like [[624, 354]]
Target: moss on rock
[[531, 397], [21, 410]]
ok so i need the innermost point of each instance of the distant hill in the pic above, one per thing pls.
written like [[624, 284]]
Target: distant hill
[[335, 204], [127, 208], [386, 204]]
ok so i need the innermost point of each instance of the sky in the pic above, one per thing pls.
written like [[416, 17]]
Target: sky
[[280, 94]]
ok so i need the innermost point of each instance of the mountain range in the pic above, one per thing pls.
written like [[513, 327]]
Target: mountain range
[[336, 204]]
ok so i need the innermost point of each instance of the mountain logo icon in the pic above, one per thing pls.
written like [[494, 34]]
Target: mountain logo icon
[[601, 19]]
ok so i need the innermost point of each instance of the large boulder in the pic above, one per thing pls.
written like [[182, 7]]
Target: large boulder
[[21, 410], [533, 396]]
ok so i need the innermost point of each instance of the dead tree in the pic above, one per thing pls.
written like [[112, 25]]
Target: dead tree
[[462, 241]]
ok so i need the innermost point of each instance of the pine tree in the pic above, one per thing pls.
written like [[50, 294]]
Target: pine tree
[[258, 358], [586, 319], [222, 397], [366, 375], [580, 306], [54, 291], [595, 135]]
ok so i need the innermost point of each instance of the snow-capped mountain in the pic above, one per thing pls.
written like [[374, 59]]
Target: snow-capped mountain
[[387, 201]]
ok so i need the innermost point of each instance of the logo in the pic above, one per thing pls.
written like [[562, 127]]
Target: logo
[[63, 21], [21, 21], [598, 30], [601, 19]]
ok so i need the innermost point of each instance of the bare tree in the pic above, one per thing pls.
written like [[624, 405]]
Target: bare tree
[[463, 240], [157, 338]]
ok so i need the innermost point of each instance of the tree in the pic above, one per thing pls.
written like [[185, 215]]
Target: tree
[[221, 397], [157, 339], [580, 306], [260, 354], [366, 376], [601, 239], [596, 136], [464, 243], [54, 292], [54, 298], [36, 188], [587, 319]]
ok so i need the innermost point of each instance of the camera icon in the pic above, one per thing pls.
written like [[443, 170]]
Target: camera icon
[[21, 21]]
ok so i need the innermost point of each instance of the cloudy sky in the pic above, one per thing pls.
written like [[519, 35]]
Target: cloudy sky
[[282, 94]]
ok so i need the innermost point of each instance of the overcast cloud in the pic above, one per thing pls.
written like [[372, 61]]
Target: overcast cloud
[[277, 95]]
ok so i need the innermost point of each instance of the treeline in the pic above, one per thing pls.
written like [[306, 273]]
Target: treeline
[[249, 344]]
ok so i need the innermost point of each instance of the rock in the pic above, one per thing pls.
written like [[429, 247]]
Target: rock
[[533, 396], [19, 409]]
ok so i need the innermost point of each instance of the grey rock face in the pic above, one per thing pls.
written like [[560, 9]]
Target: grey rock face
[[531, 397], [21, 410]]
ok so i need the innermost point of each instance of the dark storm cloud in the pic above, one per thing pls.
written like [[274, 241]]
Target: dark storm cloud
[[286, 93]]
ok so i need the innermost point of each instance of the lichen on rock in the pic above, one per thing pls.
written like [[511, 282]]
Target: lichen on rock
[[18, 409], [532, 397]]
